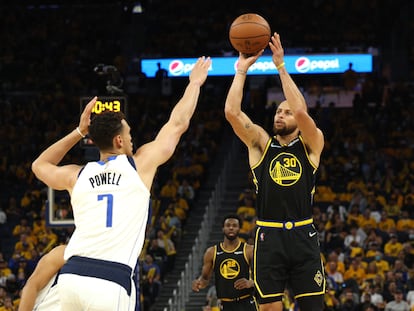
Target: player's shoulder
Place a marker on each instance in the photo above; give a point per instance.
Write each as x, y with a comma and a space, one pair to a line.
249, 247
211, 250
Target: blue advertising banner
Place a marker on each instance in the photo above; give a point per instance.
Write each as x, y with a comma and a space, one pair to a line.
295, 64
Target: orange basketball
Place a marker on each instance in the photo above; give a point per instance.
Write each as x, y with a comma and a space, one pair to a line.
249, 33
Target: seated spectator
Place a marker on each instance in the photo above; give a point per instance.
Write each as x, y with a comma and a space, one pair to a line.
334, 274
248, 224
372, 240
382, 265
404, 224
318, 216
24, 246
164, 241
159, 255
172, 221
354, 216
186, 191
331, 302
321, 235
392, 209
348, 300
335, 229
386, 223
355, 271
247, 207
393, 247
337, 207
353, 236
368, 222
390, 288
376, 296
398, 304
179, 207
8, 304
333, 256
365, 304
151, 281
247, 193
400, 268
168, 191
355, 250
371, 272
410, 299
5, 271
358, 199
22, 227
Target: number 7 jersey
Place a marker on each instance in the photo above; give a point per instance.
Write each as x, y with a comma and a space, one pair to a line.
110, 206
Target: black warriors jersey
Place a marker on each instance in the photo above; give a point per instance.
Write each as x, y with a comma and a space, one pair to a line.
228, 267
285, 182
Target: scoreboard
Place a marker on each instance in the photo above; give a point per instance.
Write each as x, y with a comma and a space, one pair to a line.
103, 104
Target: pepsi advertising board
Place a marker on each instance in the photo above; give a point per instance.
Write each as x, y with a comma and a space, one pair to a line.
295, 64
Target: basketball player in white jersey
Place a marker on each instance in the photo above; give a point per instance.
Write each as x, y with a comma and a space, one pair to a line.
40, 291
110, 200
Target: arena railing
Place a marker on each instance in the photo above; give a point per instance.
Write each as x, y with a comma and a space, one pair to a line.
181, 294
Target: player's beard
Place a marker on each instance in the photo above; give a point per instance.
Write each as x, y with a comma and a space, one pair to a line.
231, 237
284, 131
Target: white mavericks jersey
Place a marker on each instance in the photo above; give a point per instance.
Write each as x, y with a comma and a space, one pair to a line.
48, 298
110, 206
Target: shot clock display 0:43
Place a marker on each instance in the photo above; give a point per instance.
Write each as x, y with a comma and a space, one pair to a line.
104, 103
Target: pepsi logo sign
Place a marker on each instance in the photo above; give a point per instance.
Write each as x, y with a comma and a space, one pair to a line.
302, 64
176, 67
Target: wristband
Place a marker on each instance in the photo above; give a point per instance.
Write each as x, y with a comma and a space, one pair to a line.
241, 72
280, 65
80, 133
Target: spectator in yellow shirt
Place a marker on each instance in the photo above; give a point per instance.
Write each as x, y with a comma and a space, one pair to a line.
393, 247
169, 190
386, 223
355, 271
405, 223
340, 266
382, 265
354, 216
372, 237
392, 208
372, 271
367, 223
24, 244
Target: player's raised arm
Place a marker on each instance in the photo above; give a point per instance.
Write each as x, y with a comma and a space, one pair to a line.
46, 168
157, 152
312, 136
251, 134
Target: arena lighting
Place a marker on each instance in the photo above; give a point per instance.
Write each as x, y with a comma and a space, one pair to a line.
137, 8
295, 64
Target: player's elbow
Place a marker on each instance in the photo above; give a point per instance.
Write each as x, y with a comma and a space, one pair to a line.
181, 126
36, 167
301, 113
230, 113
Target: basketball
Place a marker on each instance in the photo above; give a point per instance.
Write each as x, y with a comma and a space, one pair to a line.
249, 33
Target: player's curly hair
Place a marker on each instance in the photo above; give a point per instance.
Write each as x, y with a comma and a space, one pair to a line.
232, 216
104, 127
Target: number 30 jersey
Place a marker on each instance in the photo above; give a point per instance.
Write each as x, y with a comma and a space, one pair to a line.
110, 206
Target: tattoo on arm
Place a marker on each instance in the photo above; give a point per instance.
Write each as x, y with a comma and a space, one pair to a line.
247, 125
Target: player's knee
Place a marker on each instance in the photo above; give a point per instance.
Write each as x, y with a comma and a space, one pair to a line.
311, 303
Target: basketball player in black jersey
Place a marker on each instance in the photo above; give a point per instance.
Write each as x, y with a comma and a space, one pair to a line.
287, 253
230, 260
